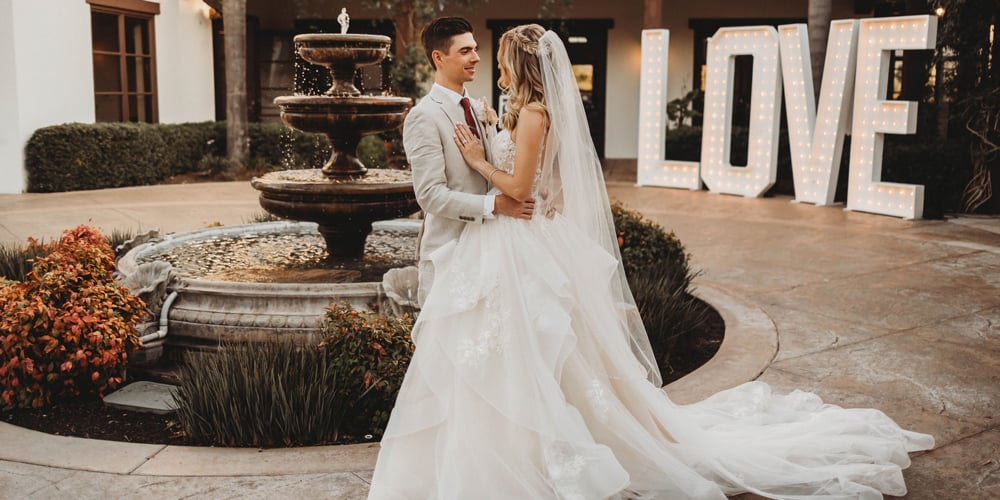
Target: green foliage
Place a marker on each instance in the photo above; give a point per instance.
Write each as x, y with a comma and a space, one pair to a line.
941, 166
669, 312
644, 243
268, 394
283, 393
68, 328
659, 274
79, 156
681, 111
189, 143
92, 156
216, 164
372, 152
15, 260
118, 237
684, 143
372, 352
410, 72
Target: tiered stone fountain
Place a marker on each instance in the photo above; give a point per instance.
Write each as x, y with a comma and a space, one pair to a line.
344, 197
341, 201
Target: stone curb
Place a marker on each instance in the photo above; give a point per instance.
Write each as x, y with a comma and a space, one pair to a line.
749, 346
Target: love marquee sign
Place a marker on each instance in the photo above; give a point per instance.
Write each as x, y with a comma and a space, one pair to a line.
857, 62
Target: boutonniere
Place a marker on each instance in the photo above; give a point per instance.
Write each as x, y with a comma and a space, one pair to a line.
486, 115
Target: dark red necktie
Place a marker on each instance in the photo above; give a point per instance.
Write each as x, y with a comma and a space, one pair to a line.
467, 106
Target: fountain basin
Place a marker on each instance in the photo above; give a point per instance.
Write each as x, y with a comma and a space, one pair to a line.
209, 310
363, 114
345, 120
343, 209
342, 54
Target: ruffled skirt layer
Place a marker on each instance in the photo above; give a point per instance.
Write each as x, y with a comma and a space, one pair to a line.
523, 386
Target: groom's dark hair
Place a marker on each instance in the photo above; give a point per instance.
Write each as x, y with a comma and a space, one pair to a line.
437, 35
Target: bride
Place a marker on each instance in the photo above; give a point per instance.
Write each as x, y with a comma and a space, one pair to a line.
533, 377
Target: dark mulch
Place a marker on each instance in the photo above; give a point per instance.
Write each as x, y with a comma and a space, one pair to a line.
90, 418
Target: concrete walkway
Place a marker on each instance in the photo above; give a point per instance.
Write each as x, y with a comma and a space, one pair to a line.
865, 310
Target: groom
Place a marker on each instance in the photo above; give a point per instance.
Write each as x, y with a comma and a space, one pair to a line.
450, 193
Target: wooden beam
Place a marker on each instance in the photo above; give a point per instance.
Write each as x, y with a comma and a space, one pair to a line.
140, 6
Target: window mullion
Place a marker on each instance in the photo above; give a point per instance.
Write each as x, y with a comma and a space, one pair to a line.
123, 68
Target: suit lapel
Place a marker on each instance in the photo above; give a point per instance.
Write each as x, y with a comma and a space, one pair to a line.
455, 115
477, 111
441, 99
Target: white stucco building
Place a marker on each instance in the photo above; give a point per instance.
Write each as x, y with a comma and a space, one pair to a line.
99, 60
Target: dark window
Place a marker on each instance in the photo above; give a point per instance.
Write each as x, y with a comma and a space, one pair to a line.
124, 60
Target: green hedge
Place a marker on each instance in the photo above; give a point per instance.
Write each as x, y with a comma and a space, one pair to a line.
659, 274
79, 156
941, 166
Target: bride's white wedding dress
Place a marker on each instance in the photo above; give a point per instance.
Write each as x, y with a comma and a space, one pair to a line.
523, 387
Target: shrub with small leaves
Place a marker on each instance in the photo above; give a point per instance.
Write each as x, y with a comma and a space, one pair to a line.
69, 327
659, 275
372, 352
643, 243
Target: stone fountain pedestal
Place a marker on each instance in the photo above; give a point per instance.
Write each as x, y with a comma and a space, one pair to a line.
344, 210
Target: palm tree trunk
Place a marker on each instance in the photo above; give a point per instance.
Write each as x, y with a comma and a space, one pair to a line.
235, 27
819, 33
652, 14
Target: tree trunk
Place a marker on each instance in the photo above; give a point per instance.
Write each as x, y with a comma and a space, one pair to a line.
819, 33
406, 35
652, 14
237, 138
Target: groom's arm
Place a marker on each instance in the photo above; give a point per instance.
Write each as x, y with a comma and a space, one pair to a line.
425, 152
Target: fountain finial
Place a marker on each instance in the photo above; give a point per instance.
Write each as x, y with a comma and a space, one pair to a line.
344, 20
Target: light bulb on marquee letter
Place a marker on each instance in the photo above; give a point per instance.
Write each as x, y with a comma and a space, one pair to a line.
875, 117
816, 138
653, 168
761, 171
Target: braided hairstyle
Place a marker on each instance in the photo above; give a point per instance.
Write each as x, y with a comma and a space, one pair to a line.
520, 71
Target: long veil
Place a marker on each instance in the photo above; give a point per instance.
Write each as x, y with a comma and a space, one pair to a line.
573, 183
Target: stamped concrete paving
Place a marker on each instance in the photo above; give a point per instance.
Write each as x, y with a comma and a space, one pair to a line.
868, 310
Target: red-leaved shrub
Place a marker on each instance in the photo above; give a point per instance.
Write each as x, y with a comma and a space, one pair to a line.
68, 328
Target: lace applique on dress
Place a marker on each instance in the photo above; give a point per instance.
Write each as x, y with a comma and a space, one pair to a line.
564, 467
503, 149
462, 288
598, 398
488, 341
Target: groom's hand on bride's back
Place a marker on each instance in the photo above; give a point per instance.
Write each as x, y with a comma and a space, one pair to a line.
505, 205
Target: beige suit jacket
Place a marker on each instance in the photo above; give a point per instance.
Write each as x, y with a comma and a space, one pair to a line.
450, 193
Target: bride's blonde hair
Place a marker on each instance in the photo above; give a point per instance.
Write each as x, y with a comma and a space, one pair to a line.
519, 59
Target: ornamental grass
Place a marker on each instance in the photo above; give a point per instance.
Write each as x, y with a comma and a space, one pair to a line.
287, 393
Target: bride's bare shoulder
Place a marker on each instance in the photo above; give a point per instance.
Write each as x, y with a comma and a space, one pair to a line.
535, 111
534, 106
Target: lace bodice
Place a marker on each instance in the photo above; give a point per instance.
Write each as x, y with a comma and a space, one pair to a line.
503, 149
